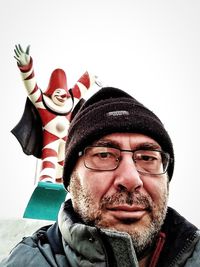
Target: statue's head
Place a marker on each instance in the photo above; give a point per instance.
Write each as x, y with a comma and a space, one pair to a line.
57, 89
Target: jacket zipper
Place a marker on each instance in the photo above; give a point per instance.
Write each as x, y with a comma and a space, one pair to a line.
183, 249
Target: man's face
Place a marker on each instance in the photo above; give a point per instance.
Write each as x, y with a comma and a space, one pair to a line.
122, 199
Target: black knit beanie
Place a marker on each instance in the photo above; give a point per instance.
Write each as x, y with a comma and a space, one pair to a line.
108, 111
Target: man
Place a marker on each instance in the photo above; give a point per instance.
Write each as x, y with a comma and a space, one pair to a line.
118, 165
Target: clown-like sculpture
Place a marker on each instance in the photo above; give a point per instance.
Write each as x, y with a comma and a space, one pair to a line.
54, 106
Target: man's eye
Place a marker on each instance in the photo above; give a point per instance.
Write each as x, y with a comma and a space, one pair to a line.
104, 155
146, 158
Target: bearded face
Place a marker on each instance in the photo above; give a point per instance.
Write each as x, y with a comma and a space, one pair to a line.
141, 231
121, 200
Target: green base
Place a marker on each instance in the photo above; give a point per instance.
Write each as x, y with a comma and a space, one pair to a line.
45, 201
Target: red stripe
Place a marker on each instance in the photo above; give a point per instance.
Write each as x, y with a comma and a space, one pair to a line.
85, 79
64, 138
30, 76
48, 152
76, 91
39, 99
46, 115
48, 164
61, 163
48, 138
159, 246
27, 67
34, 90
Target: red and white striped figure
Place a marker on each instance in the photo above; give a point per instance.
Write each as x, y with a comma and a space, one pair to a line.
55, 106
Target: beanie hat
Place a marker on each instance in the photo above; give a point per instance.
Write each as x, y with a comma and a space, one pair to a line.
112, 110
57, 80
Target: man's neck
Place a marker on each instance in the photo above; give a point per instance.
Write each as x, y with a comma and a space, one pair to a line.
145, 261
151, 258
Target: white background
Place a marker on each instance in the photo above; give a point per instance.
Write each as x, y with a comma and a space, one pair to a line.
151, 49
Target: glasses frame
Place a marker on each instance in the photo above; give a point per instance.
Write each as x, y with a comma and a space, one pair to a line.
167, 155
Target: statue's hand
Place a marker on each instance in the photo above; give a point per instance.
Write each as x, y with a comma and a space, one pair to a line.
22, 57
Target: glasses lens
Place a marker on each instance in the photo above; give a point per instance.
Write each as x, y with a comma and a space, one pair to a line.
151, 161
107, 158
101, 158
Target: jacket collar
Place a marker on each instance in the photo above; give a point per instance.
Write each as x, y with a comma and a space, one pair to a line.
181, 236
91, 243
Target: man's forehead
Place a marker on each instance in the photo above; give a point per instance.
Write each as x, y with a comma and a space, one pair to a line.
133, 139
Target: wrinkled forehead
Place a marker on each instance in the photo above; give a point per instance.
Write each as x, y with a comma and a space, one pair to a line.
127, 140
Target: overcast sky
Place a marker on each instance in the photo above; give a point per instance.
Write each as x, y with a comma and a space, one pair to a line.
151, 49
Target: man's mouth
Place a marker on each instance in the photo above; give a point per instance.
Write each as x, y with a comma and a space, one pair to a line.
126, 212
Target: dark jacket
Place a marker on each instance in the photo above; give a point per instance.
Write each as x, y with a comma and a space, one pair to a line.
72, 243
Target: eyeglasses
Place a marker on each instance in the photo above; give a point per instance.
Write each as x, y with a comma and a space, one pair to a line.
102, 158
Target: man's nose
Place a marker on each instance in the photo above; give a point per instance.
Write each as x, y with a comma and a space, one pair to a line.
127, 176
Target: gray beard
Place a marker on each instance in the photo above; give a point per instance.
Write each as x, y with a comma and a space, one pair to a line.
83, 204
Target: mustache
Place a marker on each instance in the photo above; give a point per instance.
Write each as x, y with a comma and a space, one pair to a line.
129, 198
